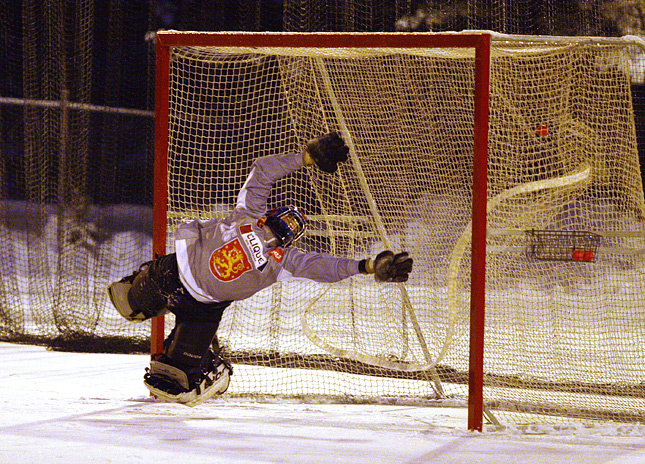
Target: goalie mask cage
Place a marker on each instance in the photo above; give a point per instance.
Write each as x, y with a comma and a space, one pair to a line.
461, 148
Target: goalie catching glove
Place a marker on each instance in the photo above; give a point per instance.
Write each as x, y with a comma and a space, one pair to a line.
326, 152
388, 267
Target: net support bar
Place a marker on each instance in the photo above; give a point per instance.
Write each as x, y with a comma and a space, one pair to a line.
478, 266
161, 182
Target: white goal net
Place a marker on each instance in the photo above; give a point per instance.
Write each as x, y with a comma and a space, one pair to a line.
565, 312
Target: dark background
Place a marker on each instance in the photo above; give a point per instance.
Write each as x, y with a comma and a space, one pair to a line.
102, 53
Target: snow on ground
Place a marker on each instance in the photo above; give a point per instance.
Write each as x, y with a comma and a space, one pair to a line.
92, 408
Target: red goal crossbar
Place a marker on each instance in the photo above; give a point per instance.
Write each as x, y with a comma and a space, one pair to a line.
481, 45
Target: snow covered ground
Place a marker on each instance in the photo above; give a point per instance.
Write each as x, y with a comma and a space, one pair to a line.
92, 408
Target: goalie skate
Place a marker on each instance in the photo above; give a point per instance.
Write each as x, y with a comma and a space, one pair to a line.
171, 384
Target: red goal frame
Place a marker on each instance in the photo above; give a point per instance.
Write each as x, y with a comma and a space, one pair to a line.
480, 42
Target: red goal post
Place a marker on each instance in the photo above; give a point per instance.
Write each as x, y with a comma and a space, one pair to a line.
478, 42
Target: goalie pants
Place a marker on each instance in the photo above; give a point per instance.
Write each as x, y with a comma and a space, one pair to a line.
157, 287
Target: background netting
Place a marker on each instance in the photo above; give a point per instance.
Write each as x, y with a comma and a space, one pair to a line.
77, 133
76, 169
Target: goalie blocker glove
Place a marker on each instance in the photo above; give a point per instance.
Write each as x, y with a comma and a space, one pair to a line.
326, 152
388, 267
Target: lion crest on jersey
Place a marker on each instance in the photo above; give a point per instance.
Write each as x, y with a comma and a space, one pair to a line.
229, 261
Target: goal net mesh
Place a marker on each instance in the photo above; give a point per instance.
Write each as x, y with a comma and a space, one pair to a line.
564, 337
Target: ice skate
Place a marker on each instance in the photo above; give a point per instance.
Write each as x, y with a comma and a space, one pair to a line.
189, 387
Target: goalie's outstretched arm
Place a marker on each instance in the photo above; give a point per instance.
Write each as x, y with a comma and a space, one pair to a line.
325, 152
322, 267
265, 171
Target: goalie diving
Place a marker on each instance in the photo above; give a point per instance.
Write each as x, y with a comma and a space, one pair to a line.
224, 260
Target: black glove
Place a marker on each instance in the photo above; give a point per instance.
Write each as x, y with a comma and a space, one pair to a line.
327, 151
390, 267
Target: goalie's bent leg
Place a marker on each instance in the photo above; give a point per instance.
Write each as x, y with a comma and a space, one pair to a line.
118, 294
143, 294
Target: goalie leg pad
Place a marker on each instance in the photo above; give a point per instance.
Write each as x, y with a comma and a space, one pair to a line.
118, 294
151, 288
121, 298
145, 293
189, 342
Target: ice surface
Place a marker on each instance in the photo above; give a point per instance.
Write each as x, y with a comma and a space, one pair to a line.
92, 408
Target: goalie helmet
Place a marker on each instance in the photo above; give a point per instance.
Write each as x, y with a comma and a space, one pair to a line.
287, 223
